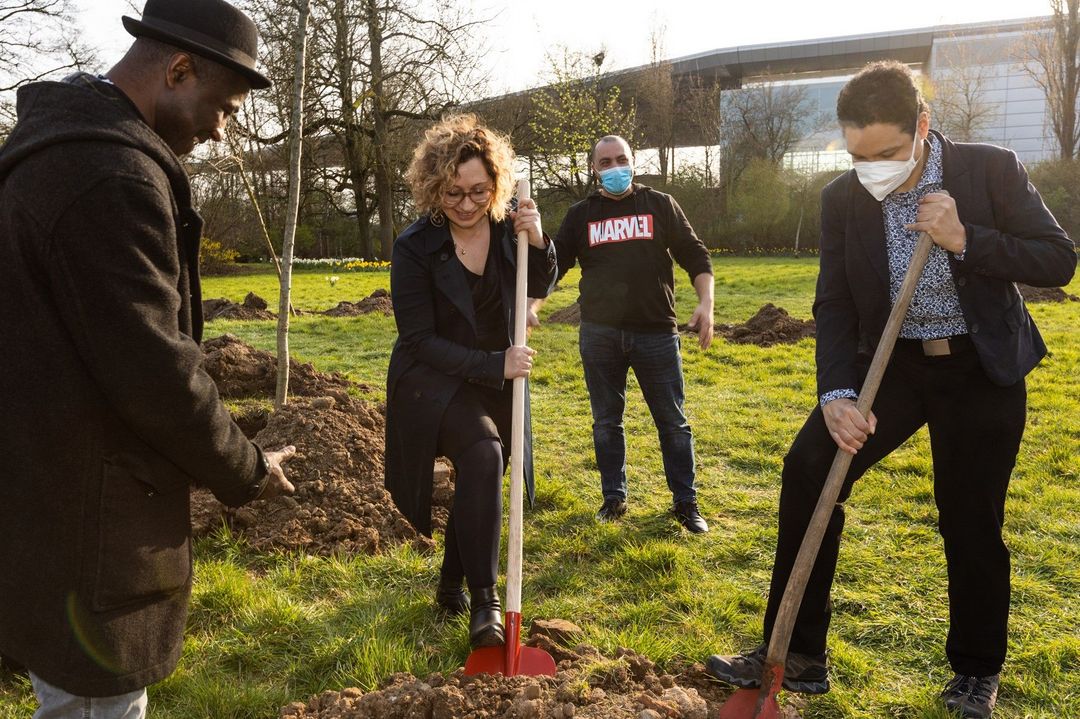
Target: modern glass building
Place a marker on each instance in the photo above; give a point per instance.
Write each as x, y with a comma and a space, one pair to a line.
975, 73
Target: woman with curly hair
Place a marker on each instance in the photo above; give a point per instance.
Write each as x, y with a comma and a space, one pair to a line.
449, 384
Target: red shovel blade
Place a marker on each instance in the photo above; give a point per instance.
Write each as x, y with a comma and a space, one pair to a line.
756, 703
512, 659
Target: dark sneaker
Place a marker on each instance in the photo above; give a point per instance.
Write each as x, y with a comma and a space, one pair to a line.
973, 697
688, 515
612, 509
803, 673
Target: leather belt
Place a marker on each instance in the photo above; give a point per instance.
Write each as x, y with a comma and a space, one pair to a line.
945, 346
936, 348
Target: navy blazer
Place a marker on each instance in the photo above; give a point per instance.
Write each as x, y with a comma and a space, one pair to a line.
435, 351
1011, 237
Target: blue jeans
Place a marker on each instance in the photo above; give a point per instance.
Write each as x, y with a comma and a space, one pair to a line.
59, 704
606, 354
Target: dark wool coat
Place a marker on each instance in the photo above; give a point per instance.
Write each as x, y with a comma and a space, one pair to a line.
107, 415
434, 352
1011, 237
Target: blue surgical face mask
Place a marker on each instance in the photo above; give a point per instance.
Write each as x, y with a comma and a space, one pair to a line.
616, 180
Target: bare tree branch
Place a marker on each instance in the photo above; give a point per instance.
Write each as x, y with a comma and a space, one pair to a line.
1051, 57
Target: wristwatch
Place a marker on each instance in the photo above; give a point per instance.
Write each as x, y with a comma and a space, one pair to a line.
255, 489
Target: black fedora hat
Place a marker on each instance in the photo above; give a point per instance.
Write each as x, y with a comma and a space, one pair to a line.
213, 29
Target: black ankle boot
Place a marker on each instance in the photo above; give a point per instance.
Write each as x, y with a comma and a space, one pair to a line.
450, 598
485, 621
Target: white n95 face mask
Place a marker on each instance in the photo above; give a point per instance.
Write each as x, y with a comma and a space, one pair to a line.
883, 176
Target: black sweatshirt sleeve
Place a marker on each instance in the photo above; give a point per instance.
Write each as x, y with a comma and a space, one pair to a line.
566, 241
687, 249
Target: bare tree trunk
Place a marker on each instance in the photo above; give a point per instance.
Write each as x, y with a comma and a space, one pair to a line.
367, 240
384, 184
296, 140
358, 180
356, 167
798, 230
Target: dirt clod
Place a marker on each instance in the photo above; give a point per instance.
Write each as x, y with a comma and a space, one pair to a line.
442, 493
559, 630
770, 325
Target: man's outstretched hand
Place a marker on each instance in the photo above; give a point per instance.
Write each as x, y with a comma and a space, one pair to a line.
277, 484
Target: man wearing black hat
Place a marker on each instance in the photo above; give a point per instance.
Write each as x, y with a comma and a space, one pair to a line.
108, 414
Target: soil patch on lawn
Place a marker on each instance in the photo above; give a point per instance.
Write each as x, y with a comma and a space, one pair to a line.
377, 301
769, 326
1045, 294
587, 685
252, 308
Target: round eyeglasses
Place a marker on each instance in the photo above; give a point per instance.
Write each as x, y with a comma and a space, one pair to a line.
454, 196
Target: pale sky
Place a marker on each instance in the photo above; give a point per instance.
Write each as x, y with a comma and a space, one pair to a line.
513, 44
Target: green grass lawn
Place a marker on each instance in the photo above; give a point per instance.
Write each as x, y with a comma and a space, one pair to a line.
266, 630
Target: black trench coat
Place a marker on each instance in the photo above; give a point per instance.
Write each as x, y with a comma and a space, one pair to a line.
434, 352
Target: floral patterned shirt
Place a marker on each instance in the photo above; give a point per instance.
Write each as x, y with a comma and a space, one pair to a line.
935, 307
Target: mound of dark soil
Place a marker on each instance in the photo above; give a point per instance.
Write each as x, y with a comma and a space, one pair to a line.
240, 370
377, 301
253, 308
586, 686
569, 315
1044, 294
771, 325
340, 504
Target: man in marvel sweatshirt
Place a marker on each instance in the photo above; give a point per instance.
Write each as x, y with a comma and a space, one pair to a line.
627, 237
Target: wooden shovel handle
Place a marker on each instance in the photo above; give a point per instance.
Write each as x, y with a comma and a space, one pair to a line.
808, 550
517, 438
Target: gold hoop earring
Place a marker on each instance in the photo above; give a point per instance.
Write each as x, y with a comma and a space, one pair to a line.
437, 218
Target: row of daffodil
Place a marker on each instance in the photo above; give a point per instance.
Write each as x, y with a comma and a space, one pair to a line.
354, 264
